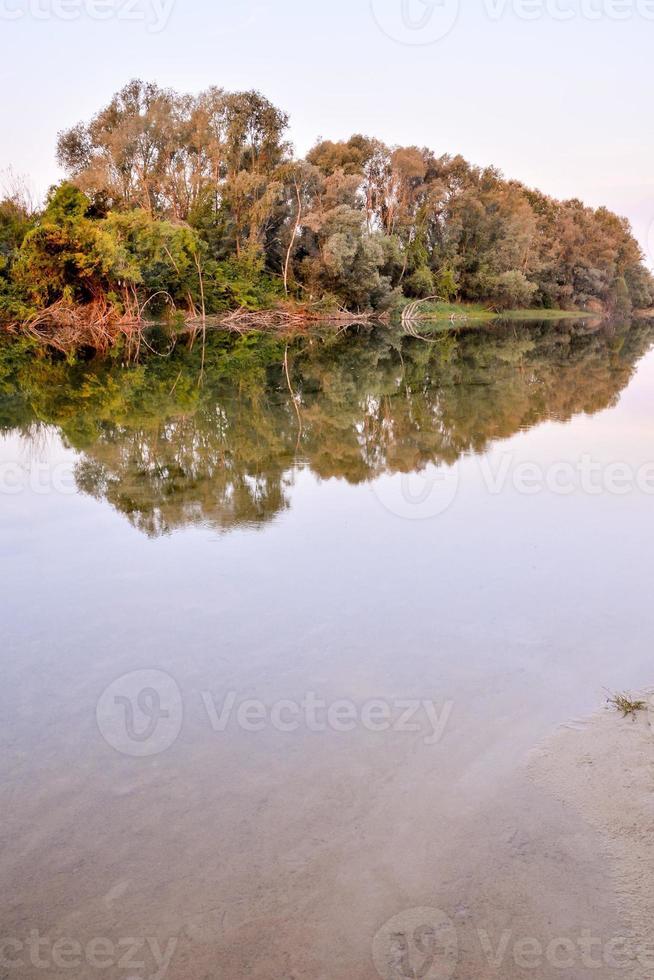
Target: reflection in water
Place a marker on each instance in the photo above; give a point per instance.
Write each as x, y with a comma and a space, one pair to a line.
167, 451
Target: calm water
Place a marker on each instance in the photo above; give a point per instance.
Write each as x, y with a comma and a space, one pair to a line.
413, 558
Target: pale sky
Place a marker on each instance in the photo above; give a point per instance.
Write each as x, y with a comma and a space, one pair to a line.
556, 93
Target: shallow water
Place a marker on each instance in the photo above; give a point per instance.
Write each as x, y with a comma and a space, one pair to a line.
413, 558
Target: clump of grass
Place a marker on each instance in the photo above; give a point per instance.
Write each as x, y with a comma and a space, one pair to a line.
626, 704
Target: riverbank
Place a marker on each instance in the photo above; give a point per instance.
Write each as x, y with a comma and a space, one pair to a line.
478, 311
410, 312
71, 329
601, 769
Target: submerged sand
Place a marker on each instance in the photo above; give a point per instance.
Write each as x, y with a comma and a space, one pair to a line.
540, 869
602, 770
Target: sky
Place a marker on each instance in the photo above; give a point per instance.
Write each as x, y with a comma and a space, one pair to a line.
556, 93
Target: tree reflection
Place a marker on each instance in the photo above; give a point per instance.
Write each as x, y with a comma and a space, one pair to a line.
168, 452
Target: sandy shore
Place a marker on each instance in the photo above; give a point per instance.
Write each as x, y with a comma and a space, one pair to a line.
602, 769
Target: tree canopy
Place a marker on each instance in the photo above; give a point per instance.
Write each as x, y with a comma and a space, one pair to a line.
181, 200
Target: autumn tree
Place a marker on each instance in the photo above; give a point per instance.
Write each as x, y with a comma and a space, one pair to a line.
168, 190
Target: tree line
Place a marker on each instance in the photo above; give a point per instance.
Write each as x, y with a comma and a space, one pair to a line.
197, 203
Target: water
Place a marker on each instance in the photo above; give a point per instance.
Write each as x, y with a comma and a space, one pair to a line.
450, 536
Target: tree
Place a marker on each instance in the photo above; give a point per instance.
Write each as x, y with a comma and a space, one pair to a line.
198, 199
512, 289
67, 255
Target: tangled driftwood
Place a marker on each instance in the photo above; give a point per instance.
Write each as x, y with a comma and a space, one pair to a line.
281, 317
66, 326
98, 325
